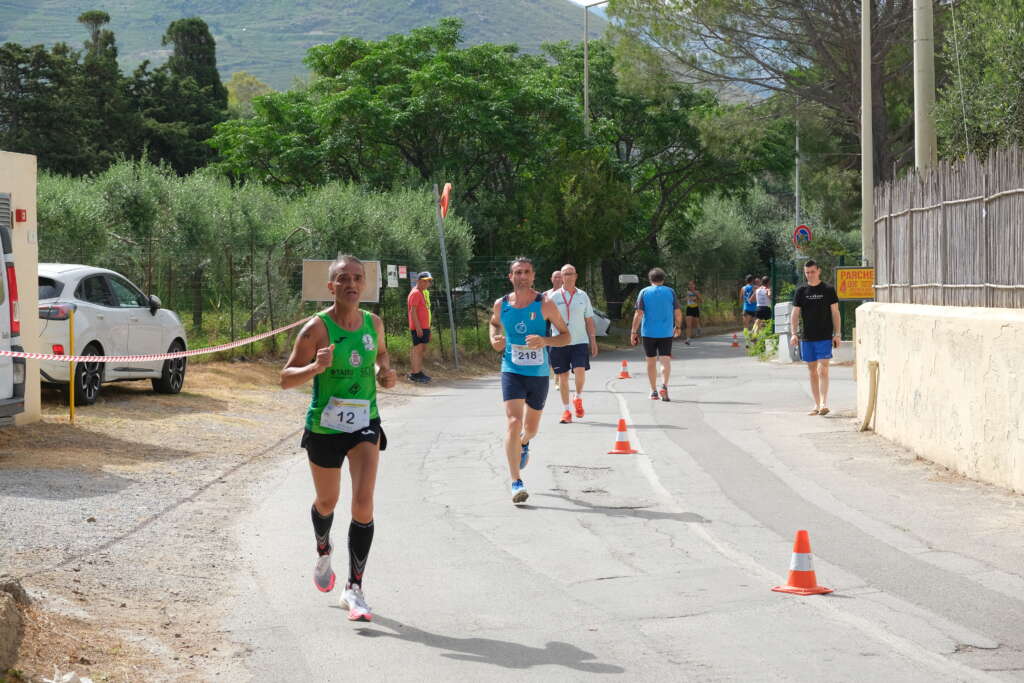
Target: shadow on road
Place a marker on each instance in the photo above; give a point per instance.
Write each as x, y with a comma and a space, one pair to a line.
501, 653
639, 511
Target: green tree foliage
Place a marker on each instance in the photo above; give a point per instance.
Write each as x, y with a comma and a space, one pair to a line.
243, 88
673, 145
507, 130
182, 100
415, 105
112, 127
205, 245
806, 49
982, 104
41, 100
77, 113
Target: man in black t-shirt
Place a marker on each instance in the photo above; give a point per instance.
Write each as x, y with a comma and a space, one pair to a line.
817, 305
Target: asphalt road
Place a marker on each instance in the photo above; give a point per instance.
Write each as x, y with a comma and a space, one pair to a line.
655, 566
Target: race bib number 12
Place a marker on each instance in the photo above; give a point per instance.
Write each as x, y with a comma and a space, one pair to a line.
347, 415
524, 355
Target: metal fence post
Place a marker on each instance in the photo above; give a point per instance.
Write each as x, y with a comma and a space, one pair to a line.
944, 241
985, 237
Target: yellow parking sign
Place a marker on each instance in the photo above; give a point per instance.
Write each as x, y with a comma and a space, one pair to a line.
855, 283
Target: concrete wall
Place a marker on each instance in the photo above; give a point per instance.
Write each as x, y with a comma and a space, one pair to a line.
951, 385
18, 177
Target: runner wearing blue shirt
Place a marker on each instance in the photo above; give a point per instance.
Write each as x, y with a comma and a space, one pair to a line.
747, 307
520, 326
657, 319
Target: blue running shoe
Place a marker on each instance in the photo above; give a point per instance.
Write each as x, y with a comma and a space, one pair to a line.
524, 456
519, 494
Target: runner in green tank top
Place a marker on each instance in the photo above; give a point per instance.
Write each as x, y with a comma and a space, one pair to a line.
343, 351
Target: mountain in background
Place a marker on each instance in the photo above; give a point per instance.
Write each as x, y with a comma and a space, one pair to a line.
269, 38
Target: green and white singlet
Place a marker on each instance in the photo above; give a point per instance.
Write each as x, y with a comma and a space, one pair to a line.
352, 377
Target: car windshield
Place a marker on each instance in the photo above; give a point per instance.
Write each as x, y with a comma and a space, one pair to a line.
49, 288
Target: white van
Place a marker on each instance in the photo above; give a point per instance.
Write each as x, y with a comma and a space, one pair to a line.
12, 370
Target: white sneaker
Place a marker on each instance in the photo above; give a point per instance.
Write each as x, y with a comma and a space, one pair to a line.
323, 575
352, 600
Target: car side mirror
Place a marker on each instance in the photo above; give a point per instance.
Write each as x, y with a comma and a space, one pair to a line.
154, 304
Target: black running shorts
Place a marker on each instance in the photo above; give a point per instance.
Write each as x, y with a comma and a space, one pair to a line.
658, 346
329, 450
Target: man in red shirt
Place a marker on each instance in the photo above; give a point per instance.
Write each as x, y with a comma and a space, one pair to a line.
419, 325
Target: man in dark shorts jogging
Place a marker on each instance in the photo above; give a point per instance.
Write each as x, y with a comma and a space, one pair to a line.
519, 327
339, 350
817, 305
657, 319
418, 303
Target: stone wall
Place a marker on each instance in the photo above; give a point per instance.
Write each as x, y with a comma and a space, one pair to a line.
951, 385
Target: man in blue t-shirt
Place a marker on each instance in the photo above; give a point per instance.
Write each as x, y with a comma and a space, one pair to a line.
657, 319
748, 307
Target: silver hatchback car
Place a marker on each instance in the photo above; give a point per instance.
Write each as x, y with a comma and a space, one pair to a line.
112, 318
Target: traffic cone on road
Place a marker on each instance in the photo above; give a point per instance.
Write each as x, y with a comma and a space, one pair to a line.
735, 341
625, 371
802, 580
622, 446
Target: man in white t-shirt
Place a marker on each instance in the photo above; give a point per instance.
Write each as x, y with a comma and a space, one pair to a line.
578, 313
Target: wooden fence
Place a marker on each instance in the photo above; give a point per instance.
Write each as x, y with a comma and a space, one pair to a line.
953, 236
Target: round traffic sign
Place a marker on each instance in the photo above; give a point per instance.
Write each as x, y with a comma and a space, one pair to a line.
802, 236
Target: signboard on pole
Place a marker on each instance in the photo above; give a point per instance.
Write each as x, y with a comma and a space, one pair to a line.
403, 272
802, 236
855, 284
392, 276
315, 277
413, 277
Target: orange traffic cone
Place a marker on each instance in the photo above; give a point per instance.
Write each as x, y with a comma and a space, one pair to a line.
735, 343
625, 371
622, 446
802, 580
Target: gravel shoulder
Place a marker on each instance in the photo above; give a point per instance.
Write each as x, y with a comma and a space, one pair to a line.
120, 526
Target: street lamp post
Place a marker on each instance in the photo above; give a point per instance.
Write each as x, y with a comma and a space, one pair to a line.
867, 145
586, 64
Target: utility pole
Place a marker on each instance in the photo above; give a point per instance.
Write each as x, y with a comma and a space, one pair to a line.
925, 154
586, 65
867, 141
797, 179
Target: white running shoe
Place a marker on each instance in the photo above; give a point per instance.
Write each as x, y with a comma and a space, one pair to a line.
323, 575
352, 600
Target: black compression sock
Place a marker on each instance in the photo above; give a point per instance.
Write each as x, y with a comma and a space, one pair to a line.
360, 536
322, 530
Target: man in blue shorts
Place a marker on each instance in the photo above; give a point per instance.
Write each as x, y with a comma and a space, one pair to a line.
817, 305
657, 319
578, 313
519, 327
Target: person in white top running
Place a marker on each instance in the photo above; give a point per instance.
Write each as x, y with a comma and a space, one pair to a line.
578, 313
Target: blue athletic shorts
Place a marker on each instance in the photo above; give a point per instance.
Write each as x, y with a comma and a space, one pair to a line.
533, 389
566, 358
812, 351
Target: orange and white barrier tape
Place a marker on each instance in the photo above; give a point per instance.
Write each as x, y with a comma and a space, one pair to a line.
150, 357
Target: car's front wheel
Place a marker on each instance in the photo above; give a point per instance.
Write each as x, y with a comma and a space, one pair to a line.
172, 378
88, 378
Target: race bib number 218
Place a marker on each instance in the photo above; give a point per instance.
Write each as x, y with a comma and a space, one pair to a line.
524, 355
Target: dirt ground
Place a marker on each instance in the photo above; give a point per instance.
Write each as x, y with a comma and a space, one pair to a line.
118, 525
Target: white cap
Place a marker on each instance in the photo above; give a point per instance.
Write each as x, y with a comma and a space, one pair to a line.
425, 275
